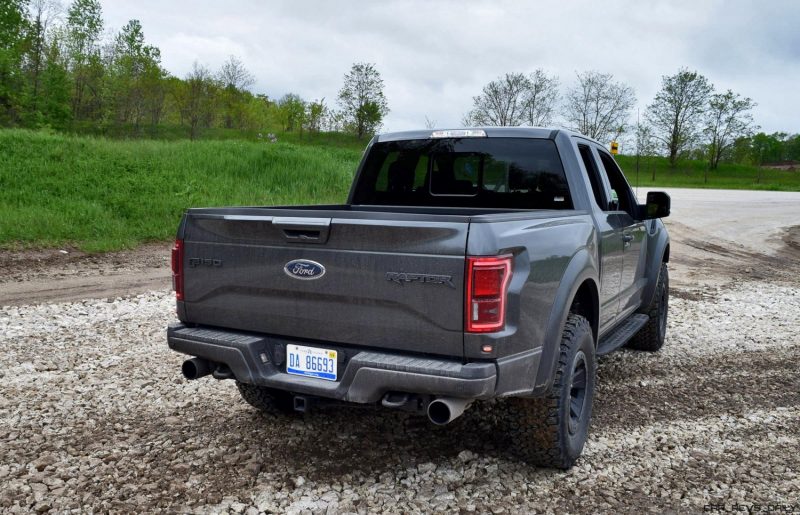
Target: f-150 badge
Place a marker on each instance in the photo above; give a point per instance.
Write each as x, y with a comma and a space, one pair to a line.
403, 277
304, 269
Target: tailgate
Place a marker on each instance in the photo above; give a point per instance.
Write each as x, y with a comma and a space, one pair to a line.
387, 283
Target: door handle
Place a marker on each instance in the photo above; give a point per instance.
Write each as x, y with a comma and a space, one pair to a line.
303, 230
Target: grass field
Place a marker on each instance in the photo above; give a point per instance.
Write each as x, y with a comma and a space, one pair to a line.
691, 174
103, 194
100, 194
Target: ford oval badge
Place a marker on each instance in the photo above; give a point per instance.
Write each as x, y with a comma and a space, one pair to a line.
304, 269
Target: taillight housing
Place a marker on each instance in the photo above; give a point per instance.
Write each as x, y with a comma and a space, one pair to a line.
177, 269
487, 293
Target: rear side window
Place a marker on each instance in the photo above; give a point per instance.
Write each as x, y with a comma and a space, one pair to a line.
513, 173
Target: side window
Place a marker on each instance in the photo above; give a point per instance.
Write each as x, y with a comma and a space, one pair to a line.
619, 186
594, 176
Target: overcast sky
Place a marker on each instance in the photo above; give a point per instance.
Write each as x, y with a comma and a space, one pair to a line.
434, 56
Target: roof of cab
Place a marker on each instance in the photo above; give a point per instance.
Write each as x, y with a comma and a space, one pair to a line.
491, 132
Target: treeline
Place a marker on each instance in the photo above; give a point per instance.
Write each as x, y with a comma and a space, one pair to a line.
58, 70
687, 118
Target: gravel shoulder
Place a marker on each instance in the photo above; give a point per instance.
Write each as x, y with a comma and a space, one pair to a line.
95, 415
61, 275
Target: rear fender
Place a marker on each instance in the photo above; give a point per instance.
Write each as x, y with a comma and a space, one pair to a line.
582, 266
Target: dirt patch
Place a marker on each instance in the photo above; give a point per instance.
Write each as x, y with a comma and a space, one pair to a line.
694, 295
704, 264
791, 238
60, 275
39, 264
661, 390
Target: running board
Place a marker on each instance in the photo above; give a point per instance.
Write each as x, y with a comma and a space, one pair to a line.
621, 334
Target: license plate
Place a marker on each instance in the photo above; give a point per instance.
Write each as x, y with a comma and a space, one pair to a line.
311, 362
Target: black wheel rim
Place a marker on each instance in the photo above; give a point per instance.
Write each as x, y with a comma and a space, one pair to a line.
577, 393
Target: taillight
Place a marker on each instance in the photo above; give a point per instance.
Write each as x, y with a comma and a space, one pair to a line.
177, 269
487, 288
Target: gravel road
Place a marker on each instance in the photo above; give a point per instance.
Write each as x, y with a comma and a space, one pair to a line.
95, 416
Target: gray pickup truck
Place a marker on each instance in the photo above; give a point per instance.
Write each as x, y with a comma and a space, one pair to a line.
466, 265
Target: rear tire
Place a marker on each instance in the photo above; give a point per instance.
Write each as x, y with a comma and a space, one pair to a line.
651, 337
552, 430
268, 400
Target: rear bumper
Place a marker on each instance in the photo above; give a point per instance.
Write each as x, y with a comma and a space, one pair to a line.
364, 375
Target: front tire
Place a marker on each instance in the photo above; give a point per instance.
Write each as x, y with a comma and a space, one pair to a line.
552, 430
651, 337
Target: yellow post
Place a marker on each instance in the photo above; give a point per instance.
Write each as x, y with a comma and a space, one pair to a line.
614, 147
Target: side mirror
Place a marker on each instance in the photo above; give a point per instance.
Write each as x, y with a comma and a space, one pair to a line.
657, 206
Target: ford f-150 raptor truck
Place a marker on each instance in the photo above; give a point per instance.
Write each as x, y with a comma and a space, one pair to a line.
466, 265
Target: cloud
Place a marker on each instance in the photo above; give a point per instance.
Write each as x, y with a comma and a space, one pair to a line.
434, 56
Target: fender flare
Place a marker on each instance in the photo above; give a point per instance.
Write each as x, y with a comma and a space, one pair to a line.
582, 267
658, 253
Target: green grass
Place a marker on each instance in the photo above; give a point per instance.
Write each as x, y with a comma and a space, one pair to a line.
691, 174
101, 194
169, 132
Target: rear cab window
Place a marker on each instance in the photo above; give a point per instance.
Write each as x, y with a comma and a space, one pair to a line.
508, 173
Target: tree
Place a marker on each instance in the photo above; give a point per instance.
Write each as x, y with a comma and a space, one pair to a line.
136, 87
84, 27
646, 146
12, 22
502, 102
56, 87
335, 121
727, 119
195, 98
316, 112
42, 14
540, 99
13, 27
293, 111
792, 148
362, 100
234, 79
599, 107
370, 116
677, 111
767, 148
515, 99
234, 75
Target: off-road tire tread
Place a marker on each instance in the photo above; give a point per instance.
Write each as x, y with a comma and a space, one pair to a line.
540, 441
